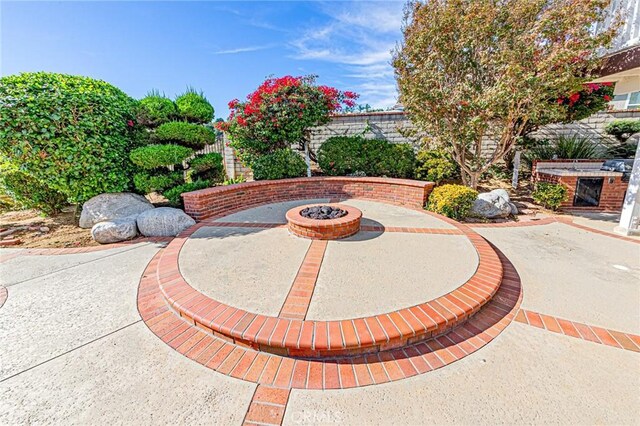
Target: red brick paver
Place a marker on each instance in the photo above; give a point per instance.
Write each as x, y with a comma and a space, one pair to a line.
592, 333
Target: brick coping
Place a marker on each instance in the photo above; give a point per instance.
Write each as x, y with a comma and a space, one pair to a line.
313, 339
276, 371
327, 229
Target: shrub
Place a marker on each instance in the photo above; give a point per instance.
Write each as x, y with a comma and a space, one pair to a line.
208, 166
71, 133
454, 201
284, 163
435, 165
154, 156
173, 194
343, 155
187, 134
156, 109
549, 195
194, 107
30, 193
233, 181
623, 129
146, 183
564, 147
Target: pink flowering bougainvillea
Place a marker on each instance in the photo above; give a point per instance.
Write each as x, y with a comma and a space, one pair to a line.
280, 113
592, 98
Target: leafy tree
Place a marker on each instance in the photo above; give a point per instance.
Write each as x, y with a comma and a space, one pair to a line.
470, 70
280, 113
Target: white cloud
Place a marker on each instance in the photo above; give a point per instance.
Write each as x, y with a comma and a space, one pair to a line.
243, 49
359, 37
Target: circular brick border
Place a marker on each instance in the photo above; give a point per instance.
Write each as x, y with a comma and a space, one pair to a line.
328, 229
4, 294
318, 339
267, 369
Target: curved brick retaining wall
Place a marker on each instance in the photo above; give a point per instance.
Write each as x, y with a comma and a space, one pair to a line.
223, 200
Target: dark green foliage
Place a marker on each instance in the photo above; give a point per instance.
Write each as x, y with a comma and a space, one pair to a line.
280, 164
71, 133
156, 109
565, 147
146, 183
194, 107
30, 193
154, 156
454, 201
208, 166
343, 155
435, 165
623, 129
187, 134
173, 194
549, 195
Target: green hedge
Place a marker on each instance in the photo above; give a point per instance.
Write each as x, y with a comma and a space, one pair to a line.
280, 164
435, 165
173, 194
454, 201
549, 195
154, 156
156, 109
187, 134
30, 193
70, 133
147, 183
194, 107
343, 155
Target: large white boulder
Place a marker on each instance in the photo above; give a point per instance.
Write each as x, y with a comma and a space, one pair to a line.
109, 206
163, 222
116, 230
491, 205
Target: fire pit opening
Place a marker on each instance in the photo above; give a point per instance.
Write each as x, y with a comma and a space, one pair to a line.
322, 212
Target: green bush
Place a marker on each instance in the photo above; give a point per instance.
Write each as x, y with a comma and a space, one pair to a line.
454, 201
154, 156
623, 129
146, 183
156, 109
549, 195
194, 107
435, 165
71, 133
564, 147
280, 164
208, 166
235, 180
30, 193
173, 194
187, 134
343, 155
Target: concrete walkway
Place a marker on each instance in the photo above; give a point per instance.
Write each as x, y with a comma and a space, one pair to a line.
74, 350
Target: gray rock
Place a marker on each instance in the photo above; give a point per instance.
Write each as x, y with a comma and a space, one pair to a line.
163, 222
113, 231
501, 193
490, 206
111, 206
514, 209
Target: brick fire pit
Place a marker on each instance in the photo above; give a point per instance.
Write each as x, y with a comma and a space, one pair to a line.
324, 229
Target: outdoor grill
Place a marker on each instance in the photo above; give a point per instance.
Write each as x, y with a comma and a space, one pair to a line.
619, 165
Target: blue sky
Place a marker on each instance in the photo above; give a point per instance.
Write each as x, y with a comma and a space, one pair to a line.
223, 48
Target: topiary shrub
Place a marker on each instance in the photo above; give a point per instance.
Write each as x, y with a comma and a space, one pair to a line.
549, 195
70, 133
156, 109
280, 164
147, 183
187, 134
173, 194
454, 201
194, 107
208, 166
435, 165
30, 193
344, 155
154, 156
623, 129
